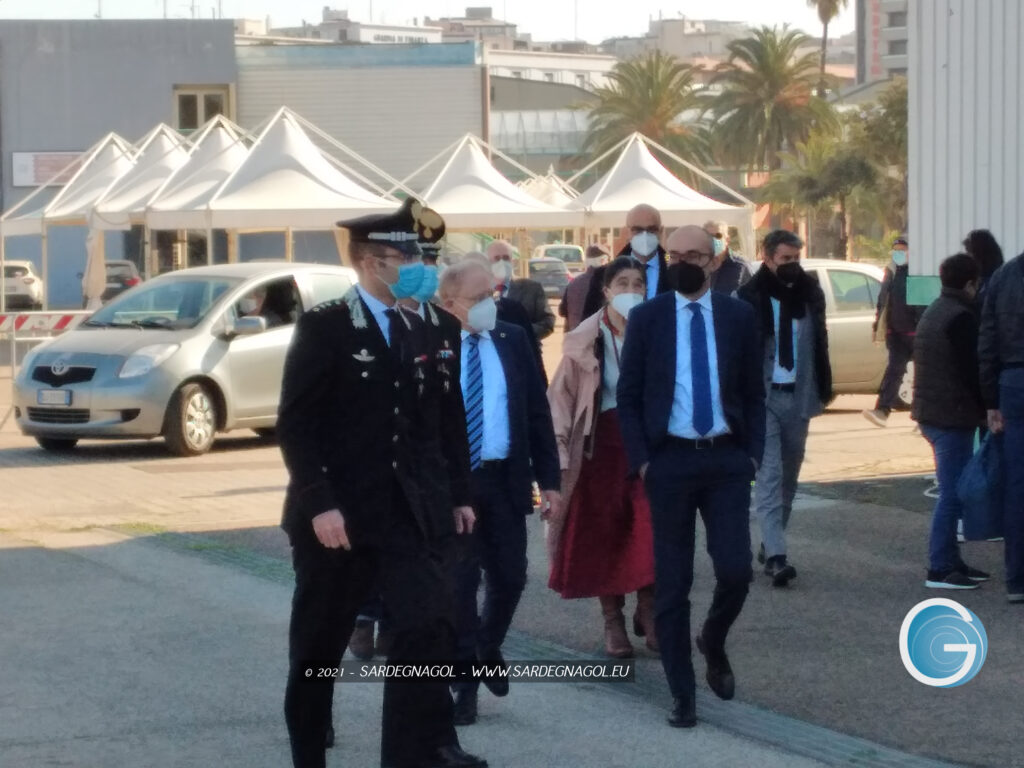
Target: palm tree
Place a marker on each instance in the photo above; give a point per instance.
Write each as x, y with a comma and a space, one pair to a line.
652, 94
766, 99
827, 10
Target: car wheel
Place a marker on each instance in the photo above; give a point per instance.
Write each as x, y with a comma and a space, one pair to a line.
57, 444
906, 392
191, 421
266, 433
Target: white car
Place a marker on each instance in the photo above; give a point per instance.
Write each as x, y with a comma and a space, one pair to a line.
23, 288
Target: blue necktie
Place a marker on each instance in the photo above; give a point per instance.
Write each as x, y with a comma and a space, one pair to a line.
474, 400
701, 370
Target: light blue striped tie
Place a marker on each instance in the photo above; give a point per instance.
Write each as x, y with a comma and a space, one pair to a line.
474, 399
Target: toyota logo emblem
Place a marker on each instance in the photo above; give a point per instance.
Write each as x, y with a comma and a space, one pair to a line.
59, 367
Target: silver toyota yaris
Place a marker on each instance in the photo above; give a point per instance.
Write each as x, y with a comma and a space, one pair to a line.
183, 356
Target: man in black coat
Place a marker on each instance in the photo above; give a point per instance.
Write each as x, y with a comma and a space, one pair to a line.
526, 292
357, 415
645, 231
511, 444
789, 307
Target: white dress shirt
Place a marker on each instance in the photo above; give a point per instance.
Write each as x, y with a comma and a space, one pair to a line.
680, 423
496, 437
780, 375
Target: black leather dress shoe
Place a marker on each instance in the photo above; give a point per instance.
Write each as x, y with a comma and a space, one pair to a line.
684, 713
451, 756
329, 738
464, 709
492, 656
720, 677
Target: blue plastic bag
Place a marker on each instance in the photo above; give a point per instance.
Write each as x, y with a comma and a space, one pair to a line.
981, 492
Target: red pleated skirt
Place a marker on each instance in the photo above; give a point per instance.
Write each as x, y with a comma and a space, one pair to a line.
606, 546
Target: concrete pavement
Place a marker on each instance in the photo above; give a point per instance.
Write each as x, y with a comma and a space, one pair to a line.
120, 652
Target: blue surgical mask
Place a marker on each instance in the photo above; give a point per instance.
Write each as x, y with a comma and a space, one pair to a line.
428, 287
410, 277
643, 244
899, 258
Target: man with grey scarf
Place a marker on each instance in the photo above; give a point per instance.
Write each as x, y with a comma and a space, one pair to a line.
790, 306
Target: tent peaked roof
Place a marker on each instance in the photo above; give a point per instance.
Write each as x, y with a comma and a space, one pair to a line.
638, 177
181, 201
470, 193
549, 188
287, 181
162, 152
103, 164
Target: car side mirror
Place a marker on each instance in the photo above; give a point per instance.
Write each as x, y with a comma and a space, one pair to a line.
247, 326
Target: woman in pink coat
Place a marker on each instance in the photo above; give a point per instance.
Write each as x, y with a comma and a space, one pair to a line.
602, 547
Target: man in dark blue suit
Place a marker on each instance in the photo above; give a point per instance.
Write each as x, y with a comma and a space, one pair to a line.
511, 444
691, 408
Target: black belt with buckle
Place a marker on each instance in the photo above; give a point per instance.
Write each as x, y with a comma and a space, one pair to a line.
703, 443
784, 387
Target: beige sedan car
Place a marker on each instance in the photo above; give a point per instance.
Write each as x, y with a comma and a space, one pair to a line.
851, 295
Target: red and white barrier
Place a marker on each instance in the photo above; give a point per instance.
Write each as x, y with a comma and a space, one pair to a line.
40, 322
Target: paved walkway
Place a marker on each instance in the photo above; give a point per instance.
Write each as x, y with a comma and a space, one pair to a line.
120, 652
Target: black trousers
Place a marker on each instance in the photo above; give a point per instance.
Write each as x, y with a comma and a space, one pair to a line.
680, 482
496, 549
901, 352
330, 586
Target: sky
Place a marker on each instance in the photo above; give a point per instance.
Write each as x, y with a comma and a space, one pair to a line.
544, 19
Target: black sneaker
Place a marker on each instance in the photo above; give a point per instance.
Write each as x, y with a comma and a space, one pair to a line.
779, 570
973, 573
949, 580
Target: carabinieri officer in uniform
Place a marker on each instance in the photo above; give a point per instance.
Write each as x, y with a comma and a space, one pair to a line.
358, 511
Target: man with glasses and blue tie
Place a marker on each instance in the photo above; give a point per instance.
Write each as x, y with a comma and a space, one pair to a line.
691, 408
511, 444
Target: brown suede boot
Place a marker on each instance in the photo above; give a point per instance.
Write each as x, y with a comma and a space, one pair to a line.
616, 641
644, 617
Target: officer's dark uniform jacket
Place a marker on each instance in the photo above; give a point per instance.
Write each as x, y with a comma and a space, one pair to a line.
351, 426
445, 460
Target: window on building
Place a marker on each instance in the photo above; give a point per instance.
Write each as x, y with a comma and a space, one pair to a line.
898, 19
897, 47
549, 77
581, 81
899, 72
517, 74
194, 106
343, 35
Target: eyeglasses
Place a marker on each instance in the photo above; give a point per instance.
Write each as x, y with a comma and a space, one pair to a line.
700, 258
653, 229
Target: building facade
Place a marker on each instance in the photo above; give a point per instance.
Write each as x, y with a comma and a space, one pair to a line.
882, 39
336, 27
64, 85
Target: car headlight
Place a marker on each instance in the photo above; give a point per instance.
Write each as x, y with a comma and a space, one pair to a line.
146, 359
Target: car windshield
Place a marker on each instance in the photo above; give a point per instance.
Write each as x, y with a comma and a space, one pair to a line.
572, 255
548, 268
119, 270
176, 303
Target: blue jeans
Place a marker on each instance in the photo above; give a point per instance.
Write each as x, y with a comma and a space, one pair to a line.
1011, 404
953, 448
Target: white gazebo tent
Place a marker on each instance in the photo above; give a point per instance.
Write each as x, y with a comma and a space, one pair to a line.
287, 182
471, 194
638, 177
180, 201
160, 153
102, 166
